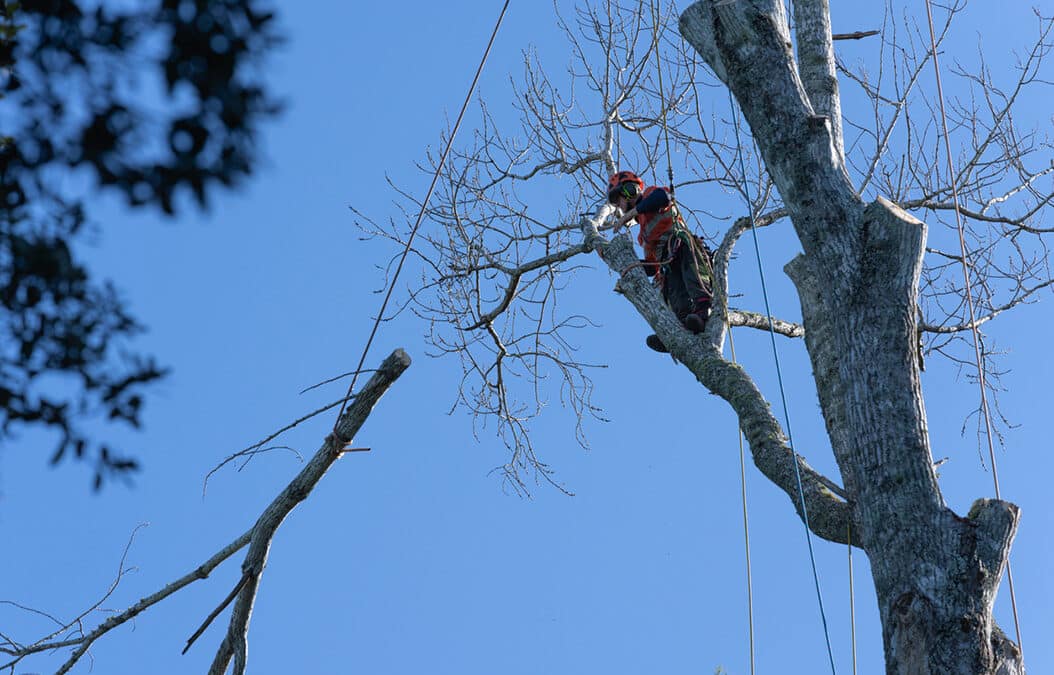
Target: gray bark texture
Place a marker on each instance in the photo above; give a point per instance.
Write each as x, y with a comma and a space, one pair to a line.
936, 573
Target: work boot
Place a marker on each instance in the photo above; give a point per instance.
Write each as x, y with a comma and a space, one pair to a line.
695, 320
695, 323
655, 343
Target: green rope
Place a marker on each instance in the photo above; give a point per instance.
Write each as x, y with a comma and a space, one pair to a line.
746, 526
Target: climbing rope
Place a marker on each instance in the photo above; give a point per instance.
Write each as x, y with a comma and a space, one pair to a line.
421, 214
981, 382
742, 457
665, 126
662, 96
779, 378
746, 526
852, 595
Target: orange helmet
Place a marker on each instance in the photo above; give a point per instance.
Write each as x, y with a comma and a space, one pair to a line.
624, 184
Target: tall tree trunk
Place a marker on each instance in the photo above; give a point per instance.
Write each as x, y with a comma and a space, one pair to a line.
936, 574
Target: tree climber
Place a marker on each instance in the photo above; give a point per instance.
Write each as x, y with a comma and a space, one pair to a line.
675, 257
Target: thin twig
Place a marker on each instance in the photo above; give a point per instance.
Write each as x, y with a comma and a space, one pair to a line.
255, 446
334, 379
216, 612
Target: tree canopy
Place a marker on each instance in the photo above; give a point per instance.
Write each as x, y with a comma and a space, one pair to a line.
160, 104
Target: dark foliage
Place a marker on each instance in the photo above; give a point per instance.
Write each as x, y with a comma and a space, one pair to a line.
152, 103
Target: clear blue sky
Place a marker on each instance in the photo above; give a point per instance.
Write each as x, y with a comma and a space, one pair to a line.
410, 558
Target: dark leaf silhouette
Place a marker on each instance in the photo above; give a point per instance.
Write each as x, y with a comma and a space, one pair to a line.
69, 77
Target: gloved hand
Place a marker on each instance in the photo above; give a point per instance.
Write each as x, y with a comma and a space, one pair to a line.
626, 217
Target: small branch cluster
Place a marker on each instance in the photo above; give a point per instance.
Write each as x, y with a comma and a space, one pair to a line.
503, 245
1003, 175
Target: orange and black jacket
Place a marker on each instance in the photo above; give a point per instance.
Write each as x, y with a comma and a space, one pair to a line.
656, 216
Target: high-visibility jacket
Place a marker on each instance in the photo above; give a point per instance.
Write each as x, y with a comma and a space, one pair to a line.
655, 224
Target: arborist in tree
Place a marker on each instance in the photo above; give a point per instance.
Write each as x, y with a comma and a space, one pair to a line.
677, 259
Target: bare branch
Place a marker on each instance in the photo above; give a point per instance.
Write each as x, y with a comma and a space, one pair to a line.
216, 612
855, 36
258, 446
761, 322
235, 643
828, 514
335, 378
336, 444
84, 642
959, 328
497, 258
1019, 222
514, 281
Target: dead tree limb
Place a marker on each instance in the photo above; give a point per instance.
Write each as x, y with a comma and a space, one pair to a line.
258, 538
858, 35
84, 642
235, 643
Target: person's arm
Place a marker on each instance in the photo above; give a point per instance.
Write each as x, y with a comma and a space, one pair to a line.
658, 200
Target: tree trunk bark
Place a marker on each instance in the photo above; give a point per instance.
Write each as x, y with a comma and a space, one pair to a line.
936, 573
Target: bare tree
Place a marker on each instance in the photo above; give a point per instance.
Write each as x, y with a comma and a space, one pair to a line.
876, 295
879, 288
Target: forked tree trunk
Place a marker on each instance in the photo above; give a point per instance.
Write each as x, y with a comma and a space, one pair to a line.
936, 574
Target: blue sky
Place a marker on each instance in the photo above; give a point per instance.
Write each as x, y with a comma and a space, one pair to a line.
412, 558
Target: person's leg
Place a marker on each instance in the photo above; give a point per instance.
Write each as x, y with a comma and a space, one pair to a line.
674, 292
693, 270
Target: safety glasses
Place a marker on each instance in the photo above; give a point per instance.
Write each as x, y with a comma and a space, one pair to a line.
627, 190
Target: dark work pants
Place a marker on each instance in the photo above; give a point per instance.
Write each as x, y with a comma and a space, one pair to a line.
686, 276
